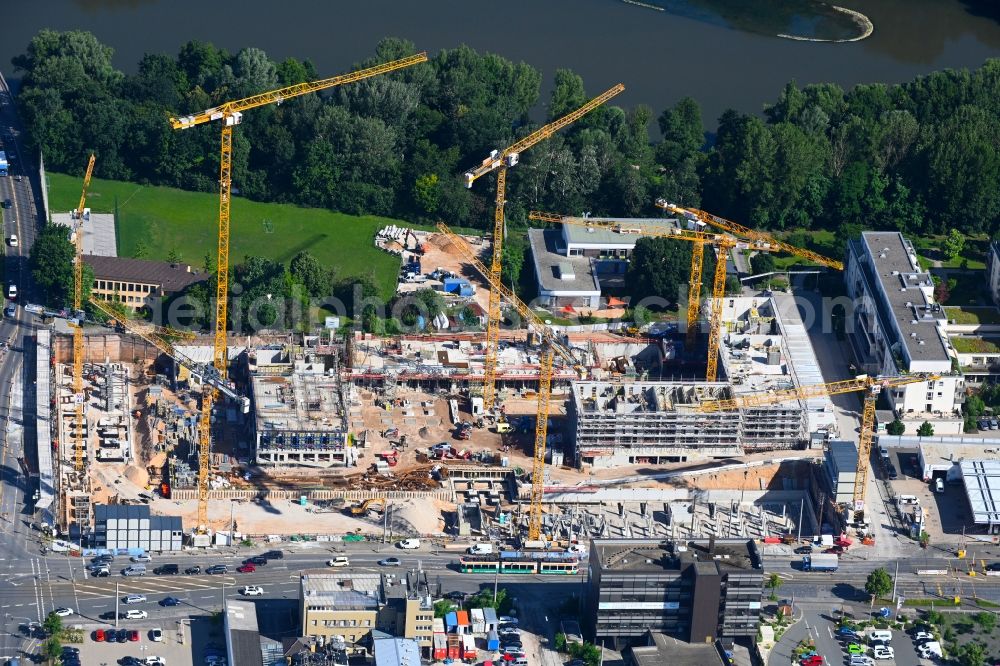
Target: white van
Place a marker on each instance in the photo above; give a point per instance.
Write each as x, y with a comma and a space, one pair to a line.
908, 499
939, 485
881, 635
481, 549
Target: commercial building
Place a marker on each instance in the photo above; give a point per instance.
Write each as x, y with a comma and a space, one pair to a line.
139, 283
896, 327
340, 607
300, 415
695, 591
840, 462
981, 479
131, 527
244, 643
397, 652
573, 262
658, 650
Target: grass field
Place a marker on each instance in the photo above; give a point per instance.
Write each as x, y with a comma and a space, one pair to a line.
166, 219
973, 315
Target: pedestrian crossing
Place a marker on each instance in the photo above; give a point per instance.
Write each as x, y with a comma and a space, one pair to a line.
102, 588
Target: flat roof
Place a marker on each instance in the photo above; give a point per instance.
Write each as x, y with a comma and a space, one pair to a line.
99, 236
901, 279
669, 650
244, 635
342, 591
43, 423
308, 400
655, 556
397, 652
982, 488
575, 234
170, 277
545, 254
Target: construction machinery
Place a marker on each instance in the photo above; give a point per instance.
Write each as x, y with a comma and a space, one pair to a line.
722, 242
500, 161
79, 399
230, 114
872, 386
373, 504
541, 435
758, 239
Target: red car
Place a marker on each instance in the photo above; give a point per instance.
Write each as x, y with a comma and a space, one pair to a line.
133, 635
99, 636
247, 568
814, 660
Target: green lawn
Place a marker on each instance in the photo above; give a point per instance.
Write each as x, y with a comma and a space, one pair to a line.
167, 219
973, 256
819, 240
975, 345
973, 315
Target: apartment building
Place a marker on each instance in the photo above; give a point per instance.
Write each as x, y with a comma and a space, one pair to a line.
138, 283
695, 591
897, 328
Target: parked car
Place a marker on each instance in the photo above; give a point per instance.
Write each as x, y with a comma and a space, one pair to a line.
134, 599
409, 544
814, 660
133, 635
156, 635
104, 559
861, 660
156, 661
12, 240
507, 619
98, 635
803, 550
847, 632
389, 562
854, 648
883, 652
923, 636
252, 591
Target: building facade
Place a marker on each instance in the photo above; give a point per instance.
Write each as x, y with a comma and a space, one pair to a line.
897, 328
696, 591
840, 462
618, 423
131, 527
139, 283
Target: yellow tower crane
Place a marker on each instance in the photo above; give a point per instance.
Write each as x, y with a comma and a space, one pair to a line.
231, 114
699, 239
79, 424
872, 386
551, 346
500, 161
758, 239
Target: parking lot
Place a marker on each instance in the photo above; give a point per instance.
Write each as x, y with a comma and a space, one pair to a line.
822, 624
184, 643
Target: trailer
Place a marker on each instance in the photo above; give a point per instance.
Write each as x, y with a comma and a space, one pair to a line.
821, 562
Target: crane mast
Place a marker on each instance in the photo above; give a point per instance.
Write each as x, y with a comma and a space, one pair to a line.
231, 114
79, 423
500, 161
872, 387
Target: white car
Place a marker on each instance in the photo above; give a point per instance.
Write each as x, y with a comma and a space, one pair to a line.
409, 544
12, 291
63, 611
883, 652
339, 561
136, 614
156, 661
134, 599
12, 240
922, 636
252, 591
576, 548
145, 557
156, 635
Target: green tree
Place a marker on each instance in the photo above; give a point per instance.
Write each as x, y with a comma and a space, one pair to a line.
925, 430
878, 584
659, 267
427, 193
311, 274
567, 94
954, 244
987, 621
443, 607
430, 299
973, 409
774, 583
484, 599
972, 653
683, 132
895, 428
51, 263
762, 262
53, 649
53, 624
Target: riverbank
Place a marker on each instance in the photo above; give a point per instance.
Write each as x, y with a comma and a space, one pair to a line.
862, 21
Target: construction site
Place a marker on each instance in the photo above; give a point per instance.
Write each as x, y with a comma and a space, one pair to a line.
534, 431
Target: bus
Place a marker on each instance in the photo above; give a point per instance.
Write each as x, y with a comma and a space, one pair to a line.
522, 562
3, 163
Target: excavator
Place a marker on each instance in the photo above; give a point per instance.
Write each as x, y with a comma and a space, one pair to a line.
376, 504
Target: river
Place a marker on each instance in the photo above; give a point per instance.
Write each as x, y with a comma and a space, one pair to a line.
662, 51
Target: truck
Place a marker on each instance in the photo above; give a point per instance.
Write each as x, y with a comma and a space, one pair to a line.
820, 562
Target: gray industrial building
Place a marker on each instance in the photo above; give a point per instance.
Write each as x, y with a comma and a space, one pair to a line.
841, 465
696, 591
619, 423
131, 527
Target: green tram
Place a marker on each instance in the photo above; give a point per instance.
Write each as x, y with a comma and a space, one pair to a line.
522, 562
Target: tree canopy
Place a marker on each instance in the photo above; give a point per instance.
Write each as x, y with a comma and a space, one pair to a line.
920, 156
